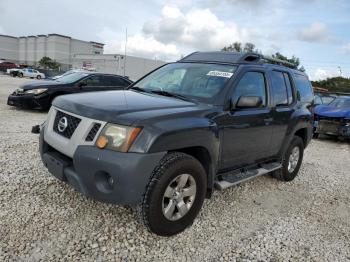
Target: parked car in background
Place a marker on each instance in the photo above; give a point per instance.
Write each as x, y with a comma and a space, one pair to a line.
323, 99
7, 65
31, 73
333, 119
40, 94
211, 120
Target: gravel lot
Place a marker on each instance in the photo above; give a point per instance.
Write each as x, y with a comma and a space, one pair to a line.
44, 219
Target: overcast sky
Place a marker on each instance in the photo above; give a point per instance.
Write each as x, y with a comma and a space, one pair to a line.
317, 31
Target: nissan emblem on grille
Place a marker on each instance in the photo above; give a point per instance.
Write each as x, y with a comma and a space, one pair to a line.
62, 124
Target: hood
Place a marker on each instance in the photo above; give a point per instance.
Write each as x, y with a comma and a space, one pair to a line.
124, 106
41, 84
330, 111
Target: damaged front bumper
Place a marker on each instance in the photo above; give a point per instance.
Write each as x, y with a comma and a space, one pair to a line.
336, 127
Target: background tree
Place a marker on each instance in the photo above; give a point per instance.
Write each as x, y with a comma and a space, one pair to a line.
250, 47
239, 47
48, 63
334, 84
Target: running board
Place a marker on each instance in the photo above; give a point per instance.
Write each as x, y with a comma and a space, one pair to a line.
232, 179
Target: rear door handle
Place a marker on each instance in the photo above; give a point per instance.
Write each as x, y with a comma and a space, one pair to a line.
268, 120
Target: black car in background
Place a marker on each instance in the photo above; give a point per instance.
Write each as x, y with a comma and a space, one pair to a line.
40, 94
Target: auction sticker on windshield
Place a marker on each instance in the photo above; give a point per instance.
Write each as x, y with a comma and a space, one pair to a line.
220, 74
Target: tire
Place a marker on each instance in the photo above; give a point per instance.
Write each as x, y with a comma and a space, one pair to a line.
38, 77
20, 75
289, 172
172, 169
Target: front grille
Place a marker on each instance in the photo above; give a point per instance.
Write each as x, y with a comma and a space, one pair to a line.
93, 131
72, 124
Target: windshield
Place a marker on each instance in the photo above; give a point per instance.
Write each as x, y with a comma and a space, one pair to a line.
71, 78
192, 80
327, 99
341, 102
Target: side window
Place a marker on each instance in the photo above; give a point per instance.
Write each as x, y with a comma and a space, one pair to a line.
304, 87
289, 88
279, 88
117, 81
93, 81
251, 84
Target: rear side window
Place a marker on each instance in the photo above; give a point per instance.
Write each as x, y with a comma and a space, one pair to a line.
251, 84
304, 88
289, 88
281, 88
117, 81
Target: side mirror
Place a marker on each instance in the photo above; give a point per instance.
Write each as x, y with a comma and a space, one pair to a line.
249, 102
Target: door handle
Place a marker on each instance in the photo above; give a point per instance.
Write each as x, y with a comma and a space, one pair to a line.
268, 120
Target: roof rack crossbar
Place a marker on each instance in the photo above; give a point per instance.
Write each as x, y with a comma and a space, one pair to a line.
273, 60
236, 57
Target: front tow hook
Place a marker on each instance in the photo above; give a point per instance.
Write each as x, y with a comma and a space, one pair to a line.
36, 129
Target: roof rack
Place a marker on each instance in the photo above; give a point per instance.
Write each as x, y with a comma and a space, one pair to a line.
235, 57
272, 60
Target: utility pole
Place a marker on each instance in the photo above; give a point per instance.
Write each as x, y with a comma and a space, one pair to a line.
340, 72
126, 40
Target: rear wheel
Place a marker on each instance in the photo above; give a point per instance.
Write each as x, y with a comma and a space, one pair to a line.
291, 161
20, 75
174, 195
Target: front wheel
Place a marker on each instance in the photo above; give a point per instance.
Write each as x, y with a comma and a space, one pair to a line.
174, 195
291, 161
20, 75
38, 77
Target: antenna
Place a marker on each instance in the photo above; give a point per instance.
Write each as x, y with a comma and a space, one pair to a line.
126, 40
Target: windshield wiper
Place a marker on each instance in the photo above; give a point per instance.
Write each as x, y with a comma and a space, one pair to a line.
136, 88
169, 94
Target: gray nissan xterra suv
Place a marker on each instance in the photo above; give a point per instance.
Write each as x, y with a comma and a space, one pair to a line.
210, 120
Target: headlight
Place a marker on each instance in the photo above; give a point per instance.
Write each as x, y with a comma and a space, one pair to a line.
36, 91
117, 137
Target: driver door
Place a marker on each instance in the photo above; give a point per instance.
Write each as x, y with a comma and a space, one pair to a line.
247, 132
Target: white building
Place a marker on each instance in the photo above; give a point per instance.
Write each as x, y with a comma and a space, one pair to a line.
135, 67
72, 53
30, 49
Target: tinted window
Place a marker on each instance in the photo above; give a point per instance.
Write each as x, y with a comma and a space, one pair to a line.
289, 88
93, 81
251, 84
304, 87
117, 81
279, 88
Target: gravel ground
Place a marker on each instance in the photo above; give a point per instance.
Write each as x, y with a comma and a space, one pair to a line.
266, 220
